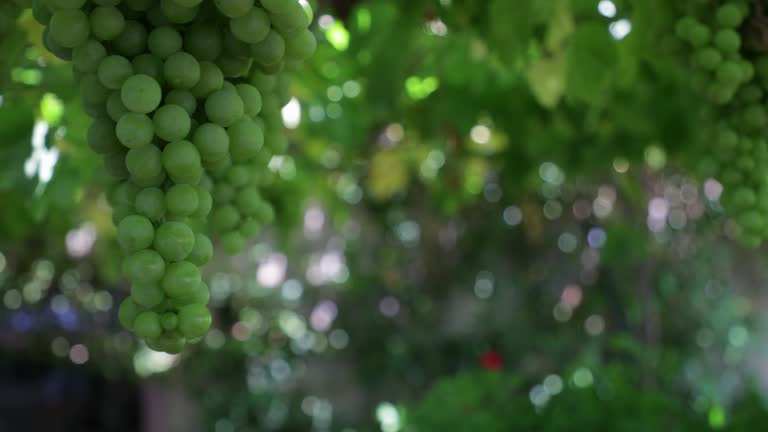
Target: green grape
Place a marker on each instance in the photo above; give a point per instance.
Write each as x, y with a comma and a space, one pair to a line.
302, 44
156, 181
199, 295
124, 193
135, 233
107, 22
266, 82
253, 27
248, 200
141, 94
176, 13
150, 202
755, 117
86, 57
180, 279
135, 130
139, 5
729, 15
164, 41
144, 163
182, 162
225, 218
205, 203
181, 200
270, 50
69, 28
239, 175
250, 228
147, 325
93, 93
204, 42
132, 41
251, 98
747, 71
728, 41
174, 240
182, 98
172, 123
742, 198
278, 6
224, 107
181, 70
234, 67
234, 8
156, 16
245, 139
114, 164
147, 295
171, 342
169, 321
700, 36
149, 65
219, 167
750, 93
233, 47
113, 71
233, 242
202, 252
211, 80
729, 73
223, 193
211, 141
54, 47
194, 320
101, 137
128, 312
265, 212
115, 108
119, 213
273, 69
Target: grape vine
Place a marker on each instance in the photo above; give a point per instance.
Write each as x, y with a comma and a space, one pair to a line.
185, 97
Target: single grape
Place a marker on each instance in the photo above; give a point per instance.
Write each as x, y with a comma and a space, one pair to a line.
250, 228
149, 65
253, 27
113, 71
709, 58
270, 50
204, 41
147, 295
164, 41
102, 138
172, 123
69, 28
145, 164
729, 73
234, 8
212, 141
128, 312
251, 98
171, 342
150, 202
135, 233
245, 139
115, 107
169, 320
181, 200
223, 193
114, 164
86, 57
225, 218
205, 203
234, 67
211, 80
147, 325
729, 15
194, 320
248, 200
181, 70
233, 242
132, 41
200, 295
107, 22
728, 41
203, 250
174, 240
176, 13
180, 279
302, 44
135, 130
277, 6
182, 98
224, 107
182, 162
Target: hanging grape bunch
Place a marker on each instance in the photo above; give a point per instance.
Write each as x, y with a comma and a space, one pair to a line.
734, 81
185, 114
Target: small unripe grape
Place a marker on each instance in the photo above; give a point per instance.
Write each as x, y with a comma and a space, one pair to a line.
233, 242
205, 203
250, 228
225, 218
132, 41
147, 295
150, 202
107, 22
69, 28
86, 57
270, 50
248, 200
174, 240
251, 98
172, 123
141, 94
234, 67
728, 41
223, 193
239, 175
200, 295
144, 163
203, 250
181, 278
302, 44
729, 73
204, 42
164, 41
149, 65
147, 325
224, 107
729, 15
171, 342
245, 139
135, 233
181, 70
181, 200
54, 46
128, 312
194, 320
253, 27
182, 98
211, 80
135, 130
102, 138
113, 71
176, 13
182, 162
234, 8
169, 321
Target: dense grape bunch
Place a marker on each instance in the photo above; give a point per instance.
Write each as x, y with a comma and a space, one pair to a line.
734, 82
185, 103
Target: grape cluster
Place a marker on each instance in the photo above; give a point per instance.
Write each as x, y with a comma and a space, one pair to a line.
735, 85
181, 115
